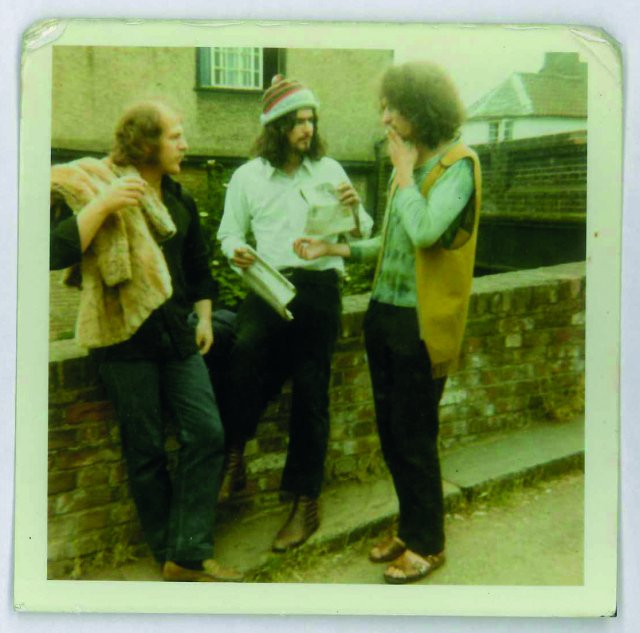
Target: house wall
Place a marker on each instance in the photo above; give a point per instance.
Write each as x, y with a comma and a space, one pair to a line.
93, 84
523, 361
345, 83
475, 132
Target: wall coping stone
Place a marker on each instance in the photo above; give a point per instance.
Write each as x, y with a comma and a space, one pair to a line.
357, 304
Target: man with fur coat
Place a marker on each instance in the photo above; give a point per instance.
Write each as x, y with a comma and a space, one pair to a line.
130, 237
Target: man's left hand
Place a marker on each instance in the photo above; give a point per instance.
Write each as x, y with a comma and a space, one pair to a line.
348, 195
204, 335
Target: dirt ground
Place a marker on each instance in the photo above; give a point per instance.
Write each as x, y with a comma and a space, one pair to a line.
532, 536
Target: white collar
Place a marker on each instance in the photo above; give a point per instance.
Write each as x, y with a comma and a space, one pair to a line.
270, 170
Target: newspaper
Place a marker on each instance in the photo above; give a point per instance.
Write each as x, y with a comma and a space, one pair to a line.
269, 284
326, 215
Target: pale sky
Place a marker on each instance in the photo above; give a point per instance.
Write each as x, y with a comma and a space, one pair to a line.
479, 61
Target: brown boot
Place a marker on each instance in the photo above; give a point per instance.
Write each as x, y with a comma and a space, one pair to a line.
303, 521
235, 475
211, 571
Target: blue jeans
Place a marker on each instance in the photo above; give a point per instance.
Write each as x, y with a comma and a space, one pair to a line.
177, 519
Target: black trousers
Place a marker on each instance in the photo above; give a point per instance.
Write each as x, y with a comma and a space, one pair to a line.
269, 350
406, 401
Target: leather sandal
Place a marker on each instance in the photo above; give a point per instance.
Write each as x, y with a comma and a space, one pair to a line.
302, 522
387, 550
212, 572
234, 478
412, 567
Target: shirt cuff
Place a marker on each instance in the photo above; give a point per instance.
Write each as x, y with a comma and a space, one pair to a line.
364, 250
356, 256
230, 244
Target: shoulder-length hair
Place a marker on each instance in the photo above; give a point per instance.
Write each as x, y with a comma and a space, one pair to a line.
425, 96
273, 144
137, 135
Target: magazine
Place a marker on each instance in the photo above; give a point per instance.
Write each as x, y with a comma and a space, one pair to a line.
269, 284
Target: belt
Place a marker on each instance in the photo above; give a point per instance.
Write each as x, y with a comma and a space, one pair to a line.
305, 274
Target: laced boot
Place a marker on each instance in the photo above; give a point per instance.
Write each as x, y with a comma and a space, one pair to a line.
234, 476
303, 521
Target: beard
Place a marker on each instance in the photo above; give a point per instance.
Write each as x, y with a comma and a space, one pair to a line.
302, 151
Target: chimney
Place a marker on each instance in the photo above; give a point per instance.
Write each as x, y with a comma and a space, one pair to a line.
567, 64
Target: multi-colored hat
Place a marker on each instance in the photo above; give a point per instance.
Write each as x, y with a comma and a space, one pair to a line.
284, 96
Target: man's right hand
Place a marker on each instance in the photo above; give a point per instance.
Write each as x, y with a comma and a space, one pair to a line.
126, 191
242, 258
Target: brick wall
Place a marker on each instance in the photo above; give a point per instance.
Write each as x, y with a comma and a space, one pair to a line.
539, 175
534, 201
522, 361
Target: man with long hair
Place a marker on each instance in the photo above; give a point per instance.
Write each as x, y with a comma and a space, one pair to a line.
415, 320
130, 235
264, 196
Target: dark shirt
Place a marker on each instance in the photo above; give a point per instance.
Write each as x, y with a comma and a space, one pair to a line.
168, 331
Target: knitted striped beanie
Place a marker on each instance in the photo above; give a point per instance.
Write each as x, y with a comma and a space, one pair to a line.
284, 96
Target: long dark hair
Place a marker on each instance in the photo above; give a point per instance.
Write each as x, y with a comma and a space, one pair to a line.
273, 144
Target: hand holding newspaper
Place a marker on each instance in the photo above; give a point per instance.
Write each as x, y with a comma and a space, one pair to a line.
269, 284
326, 215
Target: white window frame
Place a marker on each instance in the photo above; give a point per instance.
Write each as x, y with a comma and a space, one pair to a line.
494, 125
234, 68
509, 127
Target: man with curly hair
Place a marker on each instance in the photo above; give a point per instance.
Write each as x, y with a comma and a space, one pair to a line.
415, 320
264, 197
132, 235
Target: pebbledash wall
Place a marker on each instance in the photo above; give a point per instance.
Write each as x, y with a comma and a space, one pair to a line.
523, 361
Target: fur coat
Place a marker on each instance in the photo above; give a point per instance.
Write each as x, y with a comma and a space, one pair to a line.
123, 275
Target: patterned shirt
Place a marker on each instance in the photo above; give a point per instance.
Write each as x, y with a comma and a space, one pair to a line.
415, 222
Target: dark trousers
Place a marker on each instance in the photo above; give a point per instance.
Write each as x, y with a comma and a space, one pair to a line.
269, 350
406, 402
177, 519
223, 323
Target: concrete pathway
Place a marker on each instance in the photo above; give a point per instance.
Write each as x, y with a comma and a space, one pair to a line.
352, 510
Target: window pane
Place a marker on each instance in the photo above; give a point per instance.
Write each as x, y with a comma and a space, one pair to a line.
508, 130
235, 67
493, 131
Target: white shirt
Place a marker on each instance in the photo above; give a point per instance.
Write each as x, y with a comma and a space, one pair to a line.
268, 201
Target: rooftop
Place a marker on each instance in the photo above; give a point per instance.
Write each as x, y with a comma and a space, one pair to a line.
559, 89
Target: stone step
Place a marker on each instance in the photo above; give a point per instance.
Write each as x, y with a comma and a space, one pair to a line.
352, 510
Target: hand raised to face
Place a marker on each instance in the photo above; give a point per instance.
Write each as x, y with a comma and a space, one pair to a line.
403, 154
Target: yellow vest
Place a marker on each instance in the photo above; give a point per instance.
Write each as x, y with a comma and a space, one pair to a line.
444, 275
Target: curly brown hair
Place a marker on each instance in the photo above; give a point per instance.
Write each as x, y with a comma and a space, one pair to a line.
425, 96
137, 134
273, 144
